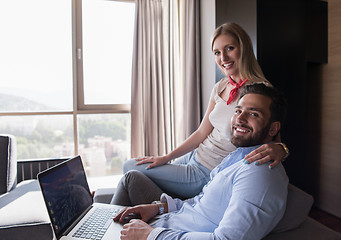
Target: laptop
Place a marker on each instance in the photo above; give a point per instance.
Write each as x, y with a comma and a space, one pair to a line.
70, 205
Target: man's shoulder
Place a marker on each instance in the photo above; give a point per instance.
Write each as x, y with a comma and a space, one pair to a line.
261, 174
235, 157
235, 166
253, 167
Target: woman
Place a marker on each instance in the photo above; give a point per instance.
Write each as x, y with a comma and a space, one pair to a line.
210, 143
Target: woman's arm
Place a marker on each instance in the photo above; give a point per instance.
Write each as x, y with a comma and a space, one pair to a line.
188, 145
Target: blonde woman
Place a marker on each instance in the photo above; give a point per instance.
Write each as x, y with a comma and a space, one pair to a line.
210, 143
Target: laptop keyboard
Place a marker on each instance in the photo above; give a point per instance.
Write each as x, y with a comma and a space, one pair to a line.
96, 224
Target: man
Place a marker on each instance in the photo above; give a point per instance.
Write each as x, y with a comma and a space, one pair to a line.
241, 201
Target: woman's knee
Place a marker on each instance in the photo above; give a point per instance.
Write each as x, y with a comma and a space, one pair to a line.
129, 165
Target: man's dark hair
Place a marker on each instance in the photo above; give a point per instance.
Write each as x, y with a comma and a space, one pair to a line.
278, 107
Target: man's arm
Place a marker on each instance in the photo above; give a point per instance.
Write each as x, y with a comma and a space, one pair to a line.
144, 212
174, 204
256, 206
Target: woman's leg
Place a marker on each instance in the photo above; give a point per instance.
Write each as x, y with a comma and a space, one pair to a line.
184, 178
135, 188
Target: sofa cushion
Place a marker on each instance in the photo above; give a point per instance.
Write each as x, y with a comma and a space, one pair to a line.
8, 163
297, 209
23, 214
104, 195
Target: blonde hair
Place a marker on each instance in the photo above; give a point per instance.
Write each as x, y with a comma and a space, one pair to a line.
249, 67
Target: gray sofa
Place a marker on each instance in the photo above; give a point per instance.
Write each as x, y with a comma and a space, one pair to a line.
22, 210
23, 214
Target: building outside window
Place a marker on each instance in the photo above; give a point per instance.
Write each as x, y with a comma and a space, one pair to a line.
65, 79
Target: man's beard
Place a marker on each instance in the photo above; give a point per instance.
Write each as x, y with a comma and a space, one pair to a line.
253, 140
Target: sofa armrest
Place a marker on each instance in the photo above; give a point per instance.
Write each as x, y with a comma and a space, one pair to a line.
23, 214
8, 163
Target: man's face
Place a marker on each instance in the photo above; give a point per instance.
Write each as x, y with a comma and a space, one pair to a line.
251, 121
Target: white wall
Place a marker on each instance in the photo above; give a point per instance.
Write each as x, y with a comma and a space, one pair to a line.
207, 60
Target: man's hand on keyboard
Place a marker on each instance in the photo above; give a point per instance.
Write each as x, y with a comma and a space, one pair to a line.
144, 212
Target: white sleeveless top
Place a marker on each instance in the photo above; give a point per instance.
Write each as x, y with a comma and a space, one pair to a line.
218, 143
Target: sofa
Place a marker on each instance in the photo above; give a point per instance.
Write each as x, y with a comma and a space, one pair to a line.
23, 214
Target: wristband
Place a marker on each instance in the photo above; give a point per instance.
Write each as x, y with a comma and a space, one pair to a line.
286, 149
161, 207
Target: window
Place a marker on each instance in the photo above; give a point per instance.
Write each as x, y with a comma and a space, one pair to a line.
65, 70
101, 58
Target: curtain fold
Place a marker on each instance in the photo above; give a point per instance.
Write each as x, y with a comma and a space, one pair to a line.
190, 63
165, 107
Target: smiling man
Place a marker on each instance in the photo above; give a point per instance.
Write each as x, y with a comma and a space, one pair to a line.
240, 201
252, 122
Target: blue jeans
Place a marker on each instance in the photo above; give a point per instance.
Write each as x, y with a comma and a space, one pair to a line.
184, 178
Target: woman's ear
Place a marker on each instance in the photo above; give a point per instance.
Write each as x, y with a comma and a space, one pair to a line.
274, 128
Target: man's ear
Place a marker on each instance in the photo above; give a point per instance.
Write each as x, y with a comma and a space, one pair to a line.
274, 128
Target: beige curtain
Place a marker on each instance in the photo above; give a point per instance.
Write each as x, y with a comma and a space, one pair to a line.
165, 107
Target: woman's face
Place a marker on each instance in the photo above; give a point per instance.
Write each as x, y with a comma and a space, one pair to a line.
227, 53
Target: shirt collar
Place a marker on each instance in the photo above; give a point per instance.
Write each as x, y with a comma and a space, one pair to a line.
235, 156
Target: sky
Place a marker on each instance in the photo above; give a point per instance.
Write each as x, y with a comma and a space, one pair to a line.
36, 52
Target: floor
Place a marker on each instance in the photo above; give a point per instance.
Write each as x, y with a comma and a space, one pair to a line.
326, 219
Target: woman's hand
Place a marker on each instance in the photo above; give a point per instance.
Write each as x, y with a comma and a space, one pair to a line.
266, 153
156, 161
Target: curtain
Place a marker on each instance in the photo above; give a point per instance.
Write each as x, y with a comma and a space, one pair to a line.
165, 107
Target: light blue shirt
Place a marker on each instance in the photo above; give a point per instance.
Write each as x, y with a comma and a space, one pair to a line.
241, 201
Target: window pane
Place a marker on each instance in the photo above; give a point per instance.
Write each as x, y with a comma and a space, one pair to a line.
35, 55
108, 28
104, 142
40, 136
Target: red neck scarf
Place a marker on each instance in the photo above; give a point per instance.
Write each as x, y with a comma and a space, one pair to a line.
234, 91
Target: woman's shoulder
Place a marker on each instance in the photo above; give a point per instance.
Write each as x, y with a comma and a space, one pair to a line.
221, 85
259, 80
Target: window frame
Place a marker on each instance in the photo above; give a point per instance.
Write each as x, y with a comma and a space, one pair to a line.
78, 67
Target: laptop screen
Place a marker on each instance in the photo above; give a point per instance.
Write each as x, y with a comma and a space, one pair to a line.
66, 193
